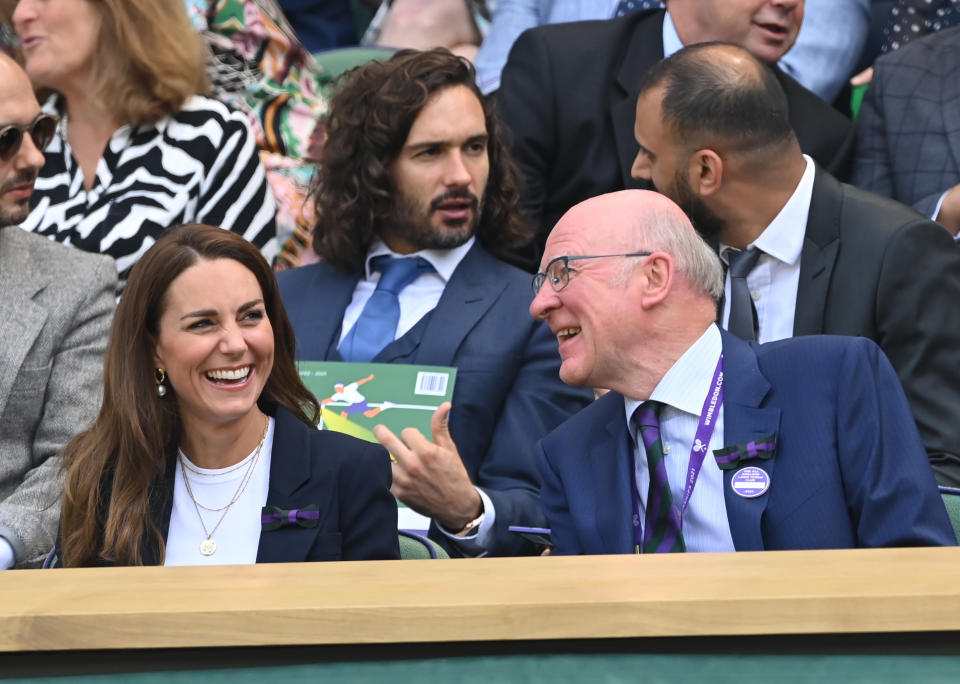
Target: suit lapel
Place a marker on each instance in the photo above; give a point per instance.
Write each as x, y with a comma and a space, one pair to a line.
289, 471
469, 294
321, 315
21, 319
644, 50
609, 459
821, 243
744, 419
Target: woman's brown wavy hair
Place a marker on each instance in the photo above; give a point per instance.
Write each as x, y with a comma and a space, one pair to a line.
149, 59
114, 468
369, 121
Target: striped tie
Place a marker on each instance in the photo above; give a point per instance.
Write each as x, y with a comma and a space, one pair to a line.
661, 525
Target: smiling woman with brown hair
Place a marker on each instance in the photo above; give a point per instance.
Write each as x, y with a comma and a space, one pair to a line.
205, 450
139, 147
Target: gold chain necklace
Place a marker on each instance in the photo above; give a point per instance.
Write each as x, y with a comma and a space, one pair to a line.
208, 546
247, 462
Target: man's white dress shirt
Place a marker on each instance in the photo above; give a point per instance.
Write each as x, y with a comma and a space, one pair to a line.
417, 300
774, 280
682, 392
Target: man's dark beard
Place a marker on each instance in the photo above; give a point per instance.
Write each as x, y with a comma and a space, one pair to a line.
413, 226
18, 217
707, 223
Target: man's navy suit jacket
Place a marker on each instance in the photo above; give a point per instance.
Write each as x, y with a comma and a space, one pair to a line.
849, 469
569, 97
507, 394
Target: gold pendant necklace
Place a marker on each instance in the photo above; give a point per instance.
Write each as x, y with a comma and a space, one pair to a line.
208, 546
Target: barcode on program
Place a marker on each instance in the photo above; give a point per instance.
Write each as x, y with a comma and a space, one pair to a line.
432, 384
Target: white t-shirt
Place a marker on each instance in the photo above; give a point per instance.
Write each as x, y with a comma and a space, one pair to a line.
238, 536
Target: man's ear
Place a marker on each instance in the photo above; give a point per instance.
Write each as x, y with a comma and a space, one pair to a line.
657, 280
705, 172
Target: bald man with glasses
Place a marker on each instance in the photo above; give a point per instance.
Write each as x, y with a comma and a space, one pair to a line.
707, 442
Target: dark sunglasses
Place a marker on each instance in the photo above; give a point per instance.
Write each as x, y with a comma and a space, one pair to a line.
41, 130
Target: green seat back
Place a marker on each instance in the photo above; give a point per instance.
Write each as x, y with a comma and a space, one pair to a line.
951, 499
417, 547
335, 62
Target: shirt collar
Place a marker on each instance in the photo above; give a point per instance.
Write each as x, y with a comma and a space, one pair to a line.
671, 39
783, 238
685, 385
444, 261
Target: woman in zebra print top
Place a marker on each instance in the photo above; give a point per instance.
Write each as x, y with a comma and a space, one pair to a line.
139, 150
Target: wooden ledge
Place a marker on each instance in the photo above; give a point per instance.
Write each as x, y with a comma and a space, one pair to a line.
785, 592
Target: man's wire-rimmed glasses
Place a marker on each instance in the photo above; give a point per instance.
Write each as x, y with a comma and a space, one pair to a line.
557, 272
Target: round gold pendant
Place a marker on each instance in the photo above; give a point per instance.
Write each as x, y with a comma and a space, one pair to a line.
208, 547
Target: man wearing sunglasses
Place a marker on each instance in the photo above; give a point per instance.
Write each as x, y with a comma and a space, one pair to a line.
56, 307
706, 442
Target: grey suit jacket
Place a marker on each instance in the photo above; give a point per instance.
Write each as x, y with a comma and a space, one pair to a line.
908, 129
56, 308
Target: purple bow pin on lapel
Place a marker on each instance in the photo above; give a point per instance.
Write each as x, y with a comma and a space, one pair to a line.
272, 518
731, 457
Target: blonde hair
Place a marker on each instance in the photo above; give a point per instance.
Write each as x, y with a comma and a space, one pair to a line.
149, 59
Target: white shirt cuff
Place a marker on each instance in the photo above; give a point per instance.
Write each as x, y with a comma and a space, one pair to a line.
936, 209
476, 544
6, 555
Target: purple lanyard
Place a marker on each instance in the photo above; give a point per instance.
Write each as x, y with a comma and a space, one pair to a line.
698, 452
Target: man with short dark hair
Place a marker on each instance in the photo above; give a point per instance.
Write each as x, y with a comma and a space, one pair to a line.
56, 307
568, 95
414, 174
705, 442
805, 253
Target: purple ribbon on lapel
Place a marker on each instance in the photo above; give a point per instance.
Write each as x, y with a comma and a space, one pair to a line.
731, 457
272, 518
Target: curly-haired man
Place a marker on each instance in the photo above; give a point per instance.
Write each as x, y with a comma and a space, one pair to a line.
413, 166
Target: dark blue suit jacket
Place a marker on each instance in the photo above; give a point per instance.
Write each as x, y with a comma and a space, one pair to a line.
849, 468
348, 478
508, 392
